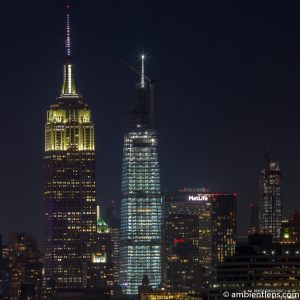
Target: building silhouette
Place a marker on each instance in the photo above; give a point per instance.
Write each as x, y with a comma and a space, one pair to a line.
25, 266
140, 237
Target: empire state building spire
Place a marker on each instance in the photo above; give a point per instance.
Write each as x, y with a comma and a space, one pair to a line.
68, 86
68, 31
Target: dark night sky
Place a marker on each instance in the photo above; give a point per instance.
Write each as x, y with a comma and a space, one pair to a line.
229, 89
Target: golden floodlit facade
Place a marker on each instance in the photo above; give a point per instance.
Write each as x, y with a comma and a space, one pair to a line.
69, 186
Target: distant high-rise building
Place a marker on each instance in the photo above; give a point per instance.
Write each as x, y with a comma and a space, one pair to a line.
224, 221
140, 238
270, 206
114, 225
213, 216
69, 184
5, 273
115, 239
290, 229
102, 274
25, 265
254, 226
184, 272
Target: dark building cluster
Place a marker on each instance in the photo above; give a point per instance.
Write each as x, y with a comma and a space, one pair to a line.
179, 244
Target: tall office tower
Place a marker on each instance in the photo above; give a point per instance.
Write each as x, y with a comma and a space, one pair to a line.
114, 225
253, 226
25, 265
69, 184
102, 268
216, 232
184, 272
270, 207
224, 222
115, 239
140, 240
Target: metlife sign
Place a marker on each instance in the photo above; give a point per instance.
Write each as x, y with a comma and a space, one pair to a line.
198, 198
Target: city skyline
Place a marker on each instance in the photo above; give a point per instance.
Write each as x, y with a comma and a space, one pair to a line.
195, 118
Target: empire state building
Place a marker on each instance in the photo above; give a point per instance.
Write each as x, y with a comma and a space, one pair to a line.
69, 184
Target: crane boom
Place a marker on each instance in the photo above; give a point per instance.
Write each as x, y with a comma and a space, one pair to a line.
132, 68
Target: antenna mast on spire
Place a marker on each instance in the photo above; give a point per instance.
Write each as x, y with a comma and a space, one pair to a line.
68, 87
143, 71
151, 84
68, 30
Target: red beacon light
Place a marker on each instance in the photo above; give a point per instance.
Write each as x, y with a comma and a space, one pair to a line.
178, 241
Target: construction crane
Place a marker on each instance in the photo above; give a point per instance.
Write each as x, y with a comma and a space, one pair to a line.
151, 87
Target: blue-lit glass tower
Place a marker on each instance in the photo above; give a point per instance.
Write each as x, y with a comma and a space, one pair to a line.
140, 239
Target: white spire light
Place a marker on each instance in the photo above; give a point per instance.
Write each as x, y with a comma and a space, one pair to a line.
143, 72
68, 31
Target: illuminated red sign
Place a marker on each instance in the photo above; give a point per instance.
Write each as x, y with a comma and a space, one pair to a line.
176, 241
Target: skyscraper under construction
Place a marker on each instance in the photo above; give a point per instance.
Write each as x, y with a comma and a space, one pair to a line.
69, 184
140, 239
